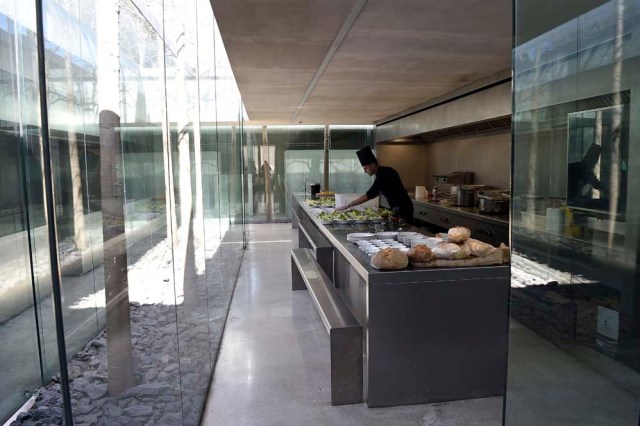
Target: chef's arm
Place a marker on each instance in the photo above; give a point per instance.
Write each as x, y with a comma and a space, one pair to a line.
361, 199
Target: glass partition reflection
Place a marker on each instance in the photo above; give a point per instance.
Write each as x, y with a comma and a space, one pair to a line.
144, 203
283, 160
25, 300
575, 335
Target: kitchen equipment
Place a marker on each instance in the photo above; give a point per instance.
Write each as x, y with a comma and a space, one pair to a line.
421, 193
315, 188
454, 178
493, 205
454, 189
466, 197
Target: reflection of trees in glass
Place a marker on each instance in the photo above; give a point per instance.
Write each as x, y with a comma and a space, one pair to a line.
74, 162
614, 184
119, 347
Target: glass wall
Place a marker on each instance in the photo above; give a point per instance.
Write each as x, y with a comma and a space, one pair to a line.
145, 125
25, 286
154, 176
574, 355
282, 160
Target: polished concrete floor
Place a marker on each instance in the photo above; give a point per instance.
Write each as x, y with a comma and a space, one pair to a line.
273, 367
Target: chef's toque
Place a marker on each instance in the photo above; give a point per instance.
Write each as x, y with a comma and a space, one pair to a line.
365, 155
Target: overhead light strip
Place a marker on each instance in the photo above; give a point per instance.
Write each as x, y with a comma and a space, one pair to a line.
346, 27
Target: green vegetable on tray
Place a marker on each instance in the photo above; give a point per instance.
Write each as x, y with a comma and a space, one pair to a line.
321, 202
359, 215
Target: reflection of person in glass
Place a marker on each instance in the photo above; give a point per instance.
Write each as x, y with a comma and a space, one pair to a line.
387, 183
582, 177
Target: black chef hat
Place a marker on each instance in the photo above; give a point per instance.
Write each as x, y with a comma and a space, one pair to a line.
365, 155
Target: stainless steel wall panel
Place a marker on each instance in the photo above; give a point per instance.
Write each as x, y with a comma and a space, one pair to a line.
488, 104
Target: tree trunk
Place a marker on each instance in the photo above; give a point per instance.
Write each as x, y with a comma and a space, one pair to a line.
74, 162
119, 350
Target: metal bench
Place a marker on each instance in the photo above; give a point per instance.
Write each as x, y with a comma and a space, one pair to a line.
345, 333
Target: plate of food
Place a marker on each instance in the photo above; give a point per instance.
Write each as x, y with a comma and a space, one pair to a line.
326, 218
358, 216
341, 218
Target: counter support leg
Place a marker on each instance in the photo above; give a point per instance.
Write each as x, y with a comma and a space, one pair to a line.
297, 283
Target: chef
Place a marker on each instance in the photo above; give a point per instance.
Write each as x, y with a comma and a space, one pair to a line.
387, 183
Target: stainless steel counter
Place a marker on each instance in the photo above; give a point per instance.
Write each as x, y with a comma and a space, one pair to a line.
430, 335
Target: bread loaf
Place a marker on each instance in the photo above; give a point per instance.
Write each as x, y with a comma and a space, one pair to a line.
450, 251
389, 259
420, 253
458, 234
480, 249
466, 250
506, 254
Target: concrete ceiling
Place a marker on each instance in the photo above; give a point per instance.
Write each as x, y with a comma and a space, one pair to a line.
291, 67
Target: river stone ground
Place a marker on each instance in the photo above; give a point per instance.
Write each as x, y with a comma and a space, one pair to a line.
174, 348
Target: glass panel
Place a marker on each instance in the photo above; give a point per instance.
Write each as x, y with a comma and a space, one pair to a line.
147, 170
228, 146
23, 236
574, 299
219, 289
190, 287
294, 157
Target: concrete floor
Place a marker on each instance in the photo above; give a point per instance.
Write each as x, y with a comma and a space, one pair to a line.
273, 368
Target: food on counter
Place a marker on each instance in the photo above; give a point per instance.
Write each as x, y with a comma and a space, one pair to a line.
384, 213
431, 242
449, 251
340, 217
478, 248
361, 216
466, 250
358, 216
321, 202
325, 217
496, 258
506, 253
389, 258
459, 234
420, 253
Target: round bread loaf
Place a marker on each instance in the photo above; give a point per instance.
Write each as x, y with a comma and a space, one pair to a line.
449, 251
458, 234
389, 259
420, 253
